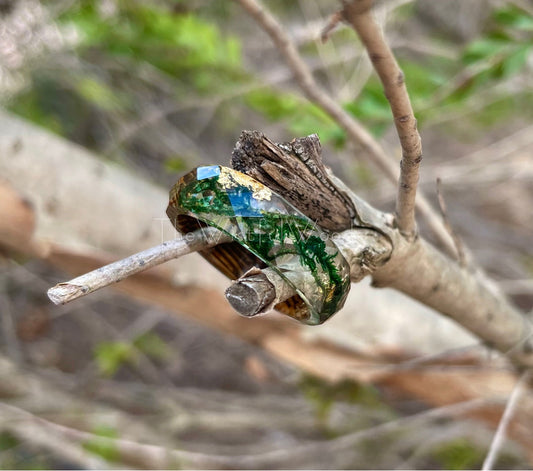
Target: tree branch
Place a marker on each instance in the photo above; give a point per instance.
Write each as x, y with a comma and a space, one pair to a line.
461, 255
147, 455
114, 272
358, 14
508, 413
371, 245
307, 83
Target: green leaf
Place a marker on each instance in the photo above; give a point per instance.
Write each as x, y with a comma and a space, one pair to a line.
181, 44
274, 105
176, 164
30, 105
7, 441
371, 106
514, 17
110, 356
483, 49
324, 395
515, 61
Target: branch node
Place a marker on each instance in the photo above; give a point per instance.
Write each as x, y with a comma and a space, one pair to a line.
331, 25
400, 79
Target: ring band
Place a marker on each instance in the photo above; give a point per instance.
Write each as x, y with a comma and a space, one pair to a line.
267, 231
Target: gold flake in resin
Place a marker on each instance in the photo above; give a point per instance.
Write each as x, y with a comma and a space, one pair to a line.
231, 179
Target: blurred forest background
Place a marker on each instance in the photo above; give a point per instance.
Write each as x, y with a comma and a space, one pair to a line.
152, 89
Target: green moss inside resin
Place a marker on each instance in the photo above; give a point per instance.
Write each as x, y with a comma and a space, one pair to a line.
270, 228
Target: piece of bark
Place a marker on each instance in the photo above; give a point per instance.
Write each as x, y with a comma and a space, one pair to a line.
295, 171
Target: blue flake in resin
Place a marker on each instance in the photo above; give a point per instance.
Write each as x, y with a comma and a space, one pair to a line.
207, 172
243, 203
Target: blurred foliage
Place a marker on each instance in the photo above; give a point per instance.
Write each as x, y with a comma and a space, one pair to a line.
499, 54
110, 356
152, 346
324, 395
129, 58
13, 456
7, 441
176, 42
104, 448
462, 454
187, 57
176, 164
459, 454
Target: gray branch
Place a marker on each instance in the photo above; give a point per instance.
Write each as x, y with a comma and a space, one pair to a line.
104, 276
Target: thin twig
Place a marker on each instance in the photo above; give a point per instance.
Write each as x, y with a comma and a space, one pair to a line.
153, 118
456, 239
8, 325
331, 25
72, 453
508, 413
193, 241
355, 131
358, 14
521, 286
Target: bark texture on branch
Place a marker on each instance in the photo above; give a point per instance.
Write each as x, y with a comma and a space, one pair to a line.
358, 14
423, 273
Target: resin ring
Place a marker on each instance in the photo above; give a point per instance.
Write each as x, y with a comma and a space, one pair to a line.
267, 231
